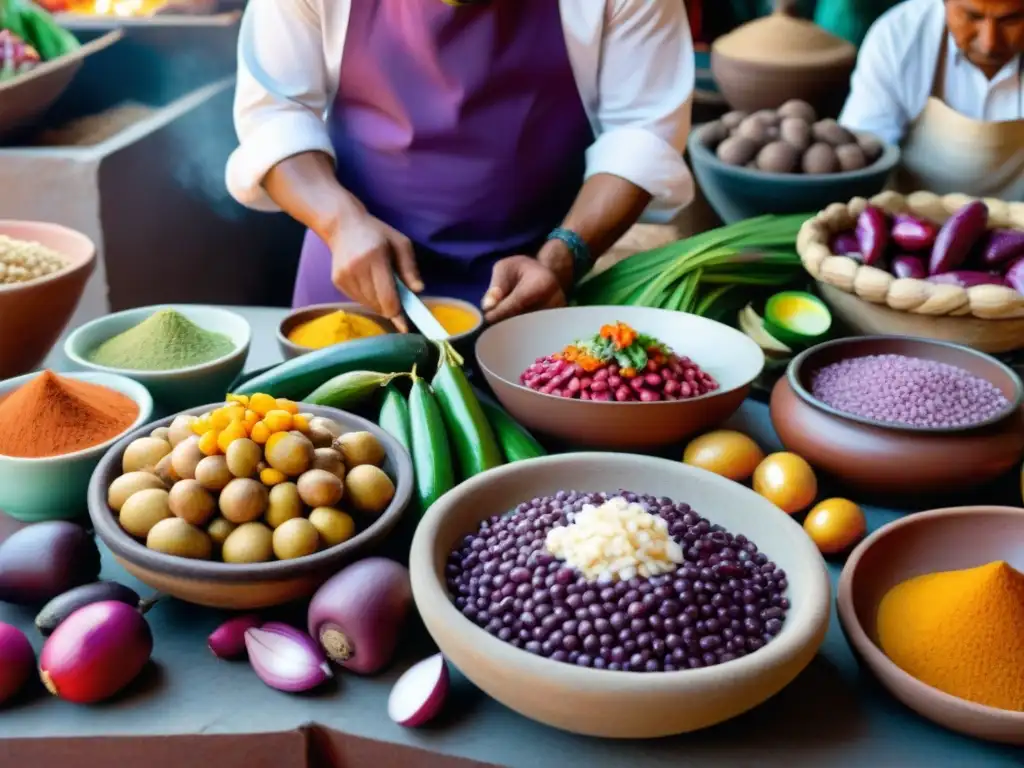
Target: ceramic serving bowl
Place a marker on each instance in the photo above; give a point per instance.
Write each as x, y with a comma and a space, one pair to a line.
738, 193
257, 585
927, 542
53, 488
172, 390
34, 314
600, 702
877, 458
505, 350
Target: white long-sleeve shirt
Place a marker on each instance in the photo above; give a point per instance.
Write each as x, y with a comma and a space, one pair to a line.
633, 62
896, 69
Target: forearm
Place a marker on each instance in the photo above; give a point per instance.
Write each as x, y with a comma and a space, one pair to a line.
305, 187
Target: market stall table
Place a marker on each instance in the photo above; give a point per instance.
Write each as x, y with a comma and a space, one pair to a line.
223, 716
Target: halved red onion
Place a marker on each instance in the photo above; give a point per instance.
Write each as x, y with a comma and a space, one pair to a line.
286, 658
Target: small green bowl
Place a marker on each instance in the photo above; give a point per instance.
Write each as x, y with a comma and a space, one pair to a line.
54, 488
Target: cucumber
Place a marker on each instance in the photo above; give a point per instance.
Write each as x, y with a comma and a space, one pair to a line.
473, 439
347, 390
516, 443
296, 378
394, 416
431, 454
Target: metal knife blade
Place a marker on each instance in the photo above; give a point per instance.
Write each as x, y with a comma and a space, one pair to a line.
418, 313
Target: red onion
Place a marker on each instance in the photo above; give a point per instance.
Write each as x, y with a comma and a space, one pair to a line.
95, 652
286, 658
17, 661
419, 694
228, 640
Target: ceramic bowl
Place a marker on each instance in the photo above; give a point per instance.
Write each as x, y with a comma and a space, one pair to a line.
738, 193
927, 542
54, 488
299, 316
34, 314
177, 389
258, 585
505, 350
877, 458
600, 702
754, 85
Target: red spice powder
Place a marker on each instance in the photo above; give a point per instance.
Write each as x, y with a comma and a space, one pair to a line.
52, 416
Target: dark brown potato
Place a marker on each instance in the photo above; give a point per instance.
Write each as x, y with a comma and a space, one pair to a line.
737, 150
871, 146
767, 116
851, 157
732, 119
778, 157
819, 159
713, 134
796, 132
755, 129
831, 132
800, 109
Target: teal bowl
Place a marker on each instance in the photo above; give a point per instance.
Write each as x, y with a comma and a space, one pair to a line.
738, 193
54, 488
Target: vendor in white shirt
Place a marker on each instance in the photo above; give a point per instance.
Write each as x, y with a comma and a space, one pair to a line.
484, 150
944, 78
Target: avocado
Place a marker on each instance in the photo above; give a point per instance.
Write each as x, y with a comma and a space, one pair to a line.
796, 318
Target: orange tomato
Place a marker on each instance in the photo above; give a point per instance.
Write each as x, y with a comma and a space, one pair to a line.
787, 481
725, 452
835, 525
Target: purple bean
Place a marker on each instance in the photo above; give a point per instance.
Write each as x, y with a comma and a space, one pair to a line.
584, 395
613, 368
957, 237
905, 265
574, 384
667, 374
872, 234
1002, 246
1015, 275
647, 396
653, 380
913, 234
600, 374
623, 393
547, 389
636, 383
845, 244
556, 391
614, 381
671, 387
599, 386
967, 278
685, 389
585, 382
602, 397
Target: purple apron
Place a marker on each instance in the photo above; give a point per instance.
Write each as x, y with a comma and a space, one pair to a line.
462, 128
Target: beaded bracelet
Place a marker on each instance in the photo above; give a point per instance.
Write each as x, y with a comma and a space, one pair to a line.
581, 258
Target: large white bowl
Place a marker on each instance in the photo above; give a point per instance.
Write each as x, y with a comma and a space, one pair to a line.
506, 349
54, 488
177, 389
620, 704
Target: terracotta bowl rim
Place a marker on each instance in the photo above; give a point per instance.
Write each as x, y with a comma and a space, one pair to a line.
806, 620
795, 366
124, 546
874, 655
239, 351
489, 372
87, 262
888, 160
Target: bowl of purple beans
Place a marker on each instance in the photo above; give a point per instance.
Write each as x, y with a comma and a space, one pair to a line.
896, 414
619, 595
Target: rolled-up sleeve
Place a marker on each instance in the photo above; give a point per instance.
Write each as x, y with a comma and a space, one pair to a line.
645, 92
282, 94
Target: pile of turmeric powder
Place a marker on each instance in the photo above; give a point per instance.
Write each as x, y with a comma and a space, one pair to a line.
333, 328
961, 632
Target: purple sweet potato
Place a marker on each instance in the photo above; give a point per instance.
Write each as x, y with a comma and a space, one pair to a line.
872, 234
961, 232
911, 233
1002, 246
1015, 275
906, 265
967, 278
846, 244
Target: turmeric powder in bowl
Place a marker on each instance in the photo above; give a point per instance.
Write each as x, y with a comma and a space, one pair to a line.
333, 328
961, 632
454, 319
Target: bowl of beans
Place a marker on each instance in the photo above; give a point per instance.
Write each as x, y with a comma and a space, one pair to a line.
43, 271
619, 595
901, 415
618, 377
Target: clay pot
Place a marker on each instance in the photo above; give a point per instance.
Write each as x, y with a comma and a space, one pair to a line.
767, 62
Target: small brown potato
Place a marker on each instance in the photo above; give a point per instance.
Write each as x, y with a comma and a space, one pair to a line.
713, 134
871, 146
732, 119
175, 536
144, 453
768, 117
851, 157
737, 150
799, 109
284, 504
213, 474
243, 456
323, 424
295, 538
330, 460
333, 525
180, 429
820, 158
291, 453
126, 486
320, 488
191, 502
359, 448
755, 129
185, 457
778, 157
162, 433
369, 489
832, 133
143, 510
796, 133
243, 500
248, 543
219, 529
165, 471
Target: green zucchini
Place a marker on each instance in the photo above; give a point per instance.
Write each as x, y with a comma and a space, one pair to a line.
516, 443
473, 439
296, 378
347, 390
431, 454
394, 416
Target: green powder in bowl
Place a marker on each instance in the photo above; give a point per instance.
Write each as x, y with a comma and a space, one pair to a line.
164, 341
